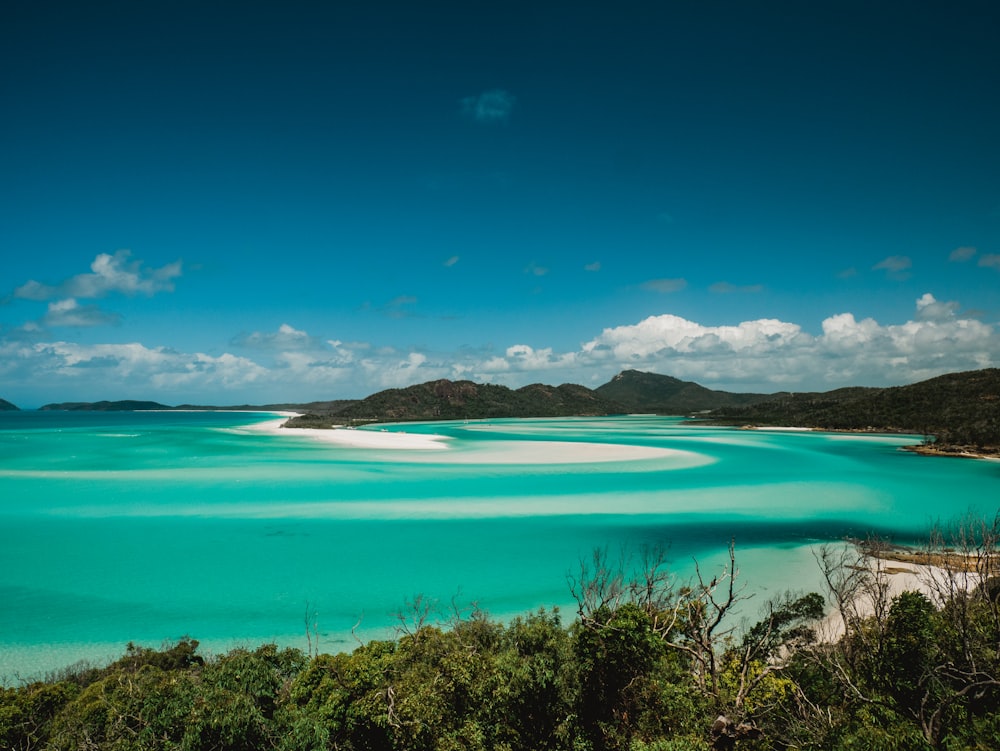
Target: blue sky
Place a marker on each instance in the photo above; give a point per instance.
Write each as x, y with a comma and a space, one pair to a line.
259, 202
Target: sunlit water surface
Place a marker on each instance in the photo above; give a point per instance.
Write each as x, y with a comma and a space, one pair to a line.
145, 527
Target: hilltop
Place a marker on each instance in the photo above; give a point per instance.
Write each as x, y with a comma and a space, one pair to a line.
665, 395
460, 400
7, 406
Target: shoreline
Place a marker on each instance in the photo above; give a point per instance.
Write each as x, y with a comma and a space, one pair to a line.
954, 452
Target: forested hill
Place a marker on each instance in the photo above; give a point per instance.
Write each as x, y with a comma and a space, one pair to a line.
6, 406
458, 400
960, 409
665, 395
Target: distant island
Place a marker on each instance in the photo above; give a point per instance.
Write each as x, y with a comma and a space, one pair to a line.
958, 414
6, 406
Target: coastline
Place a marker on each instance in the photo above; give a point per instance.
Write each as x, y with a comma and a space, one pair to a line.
955, 452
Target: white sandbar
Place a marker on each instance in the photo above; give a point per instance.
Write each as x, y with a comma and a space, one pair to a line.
349, 437
482, 452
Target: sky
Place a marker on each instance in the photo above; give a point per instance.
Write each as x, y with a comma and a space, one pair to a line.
229, 203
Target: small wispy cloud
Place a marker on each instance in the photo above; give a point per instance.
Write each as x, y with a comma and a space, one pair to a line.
285, 338
964, 253
725, 288
451, 261
535, 270
70, 313
991, 260
595, 266
665, 285
847, 273
493, 106
895, 267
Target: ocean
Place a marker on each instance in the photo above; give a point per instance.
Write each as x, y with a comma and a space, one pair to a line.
148, 526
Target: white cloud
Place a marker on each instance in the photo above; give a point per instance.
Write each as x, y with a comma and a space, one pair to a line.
291, 365
451, 261
991, 260
493, 106
595, 266
929, 309
109, 273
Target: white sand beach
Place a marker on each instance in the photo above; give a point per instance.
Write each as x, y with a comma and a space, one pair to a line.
426, 447
348, 437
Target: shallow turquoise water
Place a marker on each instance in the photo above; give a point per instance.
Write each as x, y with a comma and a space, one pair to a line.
149, 526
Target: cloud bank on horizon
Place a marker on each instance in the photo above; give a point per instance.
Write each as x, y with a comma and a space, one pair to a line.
290, 364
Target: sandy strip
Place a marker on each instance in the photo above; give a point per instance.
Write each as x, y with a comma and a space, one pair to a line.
929, 581
418, 446
351, 438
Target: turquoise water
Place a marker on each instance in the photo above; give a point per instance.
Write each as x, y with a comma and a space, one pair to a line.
118, 527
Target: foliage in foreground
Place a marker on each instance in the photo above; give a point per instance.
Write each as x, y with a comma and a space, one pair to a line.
647, 665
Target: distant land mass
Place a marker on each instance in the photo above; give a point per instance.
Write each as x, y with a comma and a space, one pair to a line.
961, 411
6, 406
127, 405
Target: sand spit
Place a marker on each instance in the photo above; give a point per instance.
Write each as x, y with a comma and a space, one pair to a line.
424, 447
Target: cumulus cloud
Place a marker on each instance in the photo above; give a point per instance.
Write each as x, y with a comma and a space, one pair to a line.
962, 254
122, 368
929, 309
763, 355
895, 267
991, 260
493, 106
108, 273
665, 285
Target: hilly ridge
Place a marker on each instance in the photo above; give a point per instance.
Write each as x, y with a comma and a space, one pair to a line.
458, 400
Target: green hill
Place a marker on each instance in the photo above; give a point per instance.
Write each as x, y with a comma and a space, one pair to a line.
7, 406
665, 395
458, 400
960, 409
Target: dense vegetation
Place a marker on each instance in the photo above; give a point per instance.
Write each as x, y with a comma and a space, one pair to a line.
647, 665
665, 395
125, 405
5, 405
460, 400
960, 409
